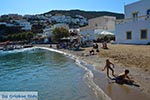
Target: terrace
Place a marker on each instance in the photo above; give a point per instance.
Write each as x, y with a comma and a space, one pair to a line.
135, 19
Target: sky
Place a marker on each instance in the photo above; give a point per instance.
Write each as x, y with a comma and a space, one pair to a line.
32, 7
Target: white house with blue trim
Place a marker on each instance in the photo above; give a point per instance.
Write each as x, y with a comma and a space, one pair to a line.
135, 28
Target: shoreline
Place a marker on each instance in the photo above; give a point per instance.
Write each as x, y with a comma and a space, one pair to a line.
100, 79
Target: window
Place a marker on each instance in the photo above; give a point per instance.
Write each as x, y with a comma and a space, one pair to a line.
129, 35
96, 25
148, 13
135, 16
144, 34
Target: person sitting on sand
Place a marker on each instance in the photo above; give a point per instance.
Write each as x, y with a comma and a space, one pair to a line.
124, 78
97, 50
95, 46
104, 45
107, 66
92, 52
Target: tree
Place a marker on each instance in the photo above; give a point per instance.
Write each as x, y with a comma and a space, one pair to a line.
29, 36
59, 33
21, 36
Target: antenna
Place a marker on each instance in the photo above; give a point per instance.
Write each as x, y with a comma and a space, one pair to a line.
124, 5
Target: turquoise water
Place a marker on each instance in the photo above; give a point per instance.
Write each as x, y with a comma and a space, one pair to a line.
53, 75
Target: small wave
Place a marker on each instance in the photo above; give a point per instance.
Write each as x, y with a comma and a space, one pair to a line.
89, 79
16, 51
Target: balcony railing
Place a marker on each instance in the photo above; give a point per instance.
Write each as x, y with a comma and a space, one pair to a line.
139, 18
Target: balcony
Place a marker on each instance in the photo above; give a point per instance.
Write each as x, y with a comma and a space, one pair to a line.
128, 20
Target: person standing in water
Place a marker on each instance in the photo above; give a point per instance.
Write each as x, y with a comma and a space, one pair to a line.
108, 67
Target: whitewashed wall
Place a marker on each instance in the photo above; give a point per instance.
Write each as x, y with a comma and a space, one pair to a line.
135, 27
141, 7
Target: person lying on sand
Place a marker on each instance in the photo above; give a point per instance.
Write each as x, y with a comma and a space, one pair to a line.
124, 78
108, 66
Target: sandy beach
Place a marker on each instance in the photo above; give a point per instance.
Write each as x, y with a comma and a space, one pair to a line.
136, 58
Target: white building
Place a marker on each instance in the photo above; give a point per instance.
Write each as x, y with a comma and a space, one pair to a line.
58, 18
7, 24
24, 24
87, 35
101, 23
98, 25
61, 25
3, 23
135, 28
47, 32
68, 19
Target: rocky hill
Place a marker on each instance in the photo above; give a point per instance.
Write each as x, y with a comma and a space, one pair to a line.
86, 14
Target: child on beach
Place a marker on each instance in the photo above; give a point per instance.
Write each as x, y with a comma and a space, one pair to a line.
124, 78
107, 67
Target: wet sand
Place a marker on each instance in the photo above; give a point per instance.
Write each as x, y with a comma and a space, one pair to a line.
117, 91
124, 57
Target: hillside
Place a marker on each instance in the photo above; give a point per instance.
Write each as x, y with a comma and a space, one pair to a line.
86, 14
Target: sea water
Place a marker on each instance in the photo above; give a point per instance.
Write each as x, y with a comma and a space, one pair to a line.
52, 74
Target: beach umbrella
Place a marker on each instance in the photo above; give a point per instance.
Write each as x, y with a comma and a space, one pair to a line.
106, 33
